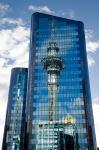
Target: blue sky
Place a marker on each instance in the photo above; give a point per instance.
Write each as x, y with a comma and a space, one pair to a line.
14, 40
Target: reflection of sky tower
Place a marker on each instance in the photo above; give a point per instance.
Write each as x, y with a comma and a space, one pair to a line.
53, 64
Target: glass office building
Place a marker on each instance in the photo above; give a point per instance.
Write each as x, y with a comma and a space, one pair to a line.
59, 101
15, 125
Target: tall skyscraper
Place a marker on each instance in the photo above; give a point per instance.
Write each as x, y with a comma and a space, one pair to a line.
15, 124
59, 101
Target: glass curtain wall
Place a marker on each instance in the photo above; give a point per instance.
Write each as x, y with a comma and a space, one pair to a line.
73, 106
14, 133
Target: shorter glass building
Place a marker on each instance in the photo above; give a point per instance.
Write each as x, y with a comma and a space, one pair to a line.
15, 118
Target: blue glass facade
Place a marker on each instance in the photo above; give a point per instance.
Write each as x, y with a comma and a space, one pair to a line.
73, 107
16, 111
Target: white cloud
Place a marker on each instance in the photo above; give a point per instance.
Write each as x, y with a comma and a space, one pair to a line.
2, 118
71, 13
89, 33
92, 46
44, 9
14, 45
96, 101
91, 61
4, 84
4, 8
14, 42
2, 62
96, 117
67, 14
5, 21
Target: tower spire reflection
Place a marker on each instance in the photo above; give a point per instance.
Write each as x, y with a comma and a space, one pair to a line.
53, 64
